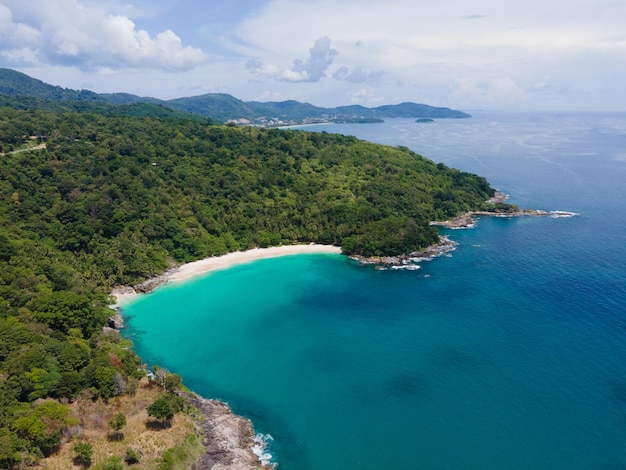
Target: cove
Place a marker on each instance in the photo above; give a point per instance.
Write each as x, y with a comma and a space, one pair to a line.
509, 353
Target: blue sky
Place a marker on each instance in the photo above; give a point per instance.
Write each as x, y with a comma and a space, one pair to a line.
544, 55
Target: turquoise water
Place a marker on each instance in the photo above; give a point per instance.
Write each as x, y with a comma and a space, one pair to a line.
510, 353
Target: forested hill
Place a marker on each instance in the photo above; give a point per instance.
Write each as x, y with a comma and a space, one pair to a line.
124, 194
91, 200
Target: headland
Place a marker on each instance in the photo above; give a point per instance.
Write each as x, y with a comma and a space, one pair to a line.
500, 209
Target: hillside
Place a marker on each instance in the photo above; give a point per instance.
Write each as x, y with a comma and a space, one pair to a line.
224, 107
13, 83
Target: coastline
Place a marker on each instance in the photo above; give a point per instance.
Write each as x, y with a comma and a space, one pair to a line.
412, 260
469, 219
197, 268
229, 439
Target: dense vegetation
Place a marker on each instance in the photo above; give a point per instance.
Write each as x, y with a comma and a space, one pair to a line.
113, 199
25, 102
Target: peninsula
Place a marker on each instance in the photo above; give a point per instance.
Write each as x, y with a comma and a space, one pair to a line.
497, 207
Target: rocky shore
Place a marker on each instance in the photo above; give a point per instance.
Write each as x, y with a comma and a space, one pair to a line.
228, 438
468, 219
465, 220
409, 261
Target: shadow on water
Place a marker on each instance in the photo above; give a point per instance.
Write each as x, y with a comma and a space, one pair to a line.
408, 385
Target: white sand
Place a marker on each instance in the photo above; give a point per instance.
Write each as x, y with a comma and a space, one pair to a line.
206, 265
122, 296
203, 266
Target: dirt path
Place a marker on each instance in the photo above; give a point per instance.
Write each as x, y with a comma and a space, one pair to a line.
36, 147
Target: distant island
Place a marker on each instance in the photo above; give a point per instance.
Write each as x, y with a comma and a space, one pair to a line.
225, 108
424, 120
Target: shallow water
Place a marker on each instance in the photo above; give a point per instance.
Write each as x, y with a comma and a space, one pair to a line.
509, 353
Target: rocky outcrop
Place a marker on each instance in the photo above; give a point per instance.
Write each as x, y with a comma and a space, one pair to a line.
227, 437
411, 260
116, 321
465, 220
468, 219
154, 282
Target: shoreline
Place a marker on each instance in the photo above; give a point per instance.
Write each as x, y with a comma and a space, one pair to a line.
229, 439
412, 260
469, 219
193, 269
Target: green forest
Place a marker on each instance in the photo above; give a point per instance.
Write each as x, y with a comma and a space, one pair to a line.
95, 198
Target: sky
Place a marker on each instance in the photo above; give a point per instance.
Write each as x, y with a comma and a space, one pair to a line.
530, 55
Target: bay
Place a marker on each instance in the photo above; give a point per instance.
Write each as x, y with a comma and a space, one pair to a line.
510, 353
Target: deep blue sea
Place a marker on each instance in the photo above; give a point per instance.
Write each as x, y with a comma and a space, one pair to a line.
508, 354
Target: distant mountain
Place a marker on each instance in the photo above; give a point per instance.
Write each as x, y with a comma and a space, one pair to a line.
414, 110
215, 105
227, 107
127, 98
224, 107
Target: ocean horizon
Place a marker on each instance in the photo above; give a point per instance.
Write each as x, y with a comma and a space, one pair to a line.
508, 352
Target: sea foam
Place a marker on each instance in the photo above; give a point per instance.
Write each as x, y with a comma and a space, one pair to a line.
562, 214
260, 449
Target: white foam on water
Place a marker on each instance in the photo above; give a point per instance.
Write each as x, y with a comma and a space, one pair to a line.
407, 267
562, 214
261, 443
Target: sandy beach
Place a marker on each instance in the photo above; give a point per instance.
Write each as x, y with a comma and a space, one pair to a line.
206, 265
203, 266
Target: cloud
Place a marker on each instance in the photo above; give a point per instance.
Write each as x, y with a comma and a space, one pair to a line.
474, 17
499, 91
356, 75
321, 56
363, 95
487, 54
66, 32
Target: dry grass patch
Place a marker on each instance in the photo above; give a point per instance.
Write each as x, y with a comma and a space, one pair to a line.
141, 432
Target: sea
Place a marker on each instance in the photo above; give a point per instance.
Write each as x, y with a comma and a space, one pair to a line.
507, 353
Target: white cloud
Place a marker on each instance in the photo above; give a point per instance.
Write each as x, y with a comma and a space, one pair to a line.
501, 91
321, 55
356, 75
363, 96
431, 47
454, 53
71, 33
